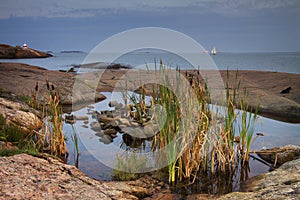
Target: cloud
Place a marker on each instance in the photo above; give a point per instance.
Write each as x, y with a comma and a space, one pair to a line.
245, 7
81, 8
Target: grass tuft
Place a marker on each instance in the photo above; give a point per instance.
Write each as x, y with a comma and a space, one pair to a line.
210, 145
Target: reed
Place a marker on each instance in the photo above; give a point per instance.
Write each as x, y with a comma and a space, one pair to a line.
210, 145
74, 138
246, 131
50, 138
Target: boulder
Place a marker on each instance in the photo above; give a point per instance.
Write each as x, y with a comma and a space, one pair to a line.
18, 113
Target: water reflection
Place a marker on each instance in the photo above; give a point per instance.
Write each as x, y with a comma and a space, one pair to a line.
275, 134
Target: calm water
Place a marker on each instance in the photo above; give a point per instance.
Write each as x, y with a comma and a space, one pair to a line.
276, 133
280, 62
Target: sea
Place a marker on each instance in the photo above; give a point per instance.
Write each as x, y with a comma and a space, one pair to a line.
288, 62
276, 133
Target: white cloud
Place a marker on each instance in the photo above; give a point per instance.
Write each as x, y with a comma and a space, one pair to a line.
82, 8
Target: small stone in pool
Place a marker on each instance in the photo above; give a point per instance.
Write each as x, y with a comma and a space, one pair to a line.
99, 134
112, 103
106, 139
110, 131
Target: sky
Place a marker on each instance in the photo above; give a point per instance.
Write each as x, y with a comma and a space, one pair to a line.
230, 25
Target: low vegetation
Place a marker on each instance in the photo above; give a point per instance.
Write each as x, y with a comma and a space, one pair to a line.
50, 138
20, 143
198, 137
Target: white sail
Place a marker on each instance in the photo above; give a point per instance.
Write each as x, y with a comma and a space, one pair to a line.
214, 51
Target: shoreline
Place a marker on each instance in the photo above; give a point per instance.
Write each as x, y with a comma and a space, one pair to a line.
264, 88
19, 79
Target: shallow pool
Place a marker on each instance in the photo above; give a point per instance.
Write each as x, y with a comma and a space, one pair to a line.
276, 133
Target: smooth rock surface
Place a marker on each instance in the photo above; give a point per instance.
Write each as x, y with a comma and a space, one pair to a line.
26, 177
23, 79
264, 88
18, 114
282, 183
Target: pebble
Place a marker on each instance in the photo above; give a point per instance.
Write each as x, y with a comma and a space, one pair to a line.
81, 117
99, 134
106, 139
113, 103
95, 126
110, 131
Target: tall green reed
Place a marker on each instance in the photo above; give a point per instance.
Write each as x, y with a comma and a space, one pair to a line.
75, 140
209, 146
248, 120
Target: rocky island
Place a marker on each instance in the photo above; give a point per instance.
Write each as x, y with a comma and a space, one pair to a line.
10, 52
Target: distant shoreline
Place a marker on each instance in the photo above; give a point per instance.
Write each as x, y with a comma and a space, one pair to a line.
18, 52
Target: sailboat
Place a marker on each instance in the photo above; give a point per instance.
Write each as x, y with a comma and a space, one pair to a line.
214, 51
